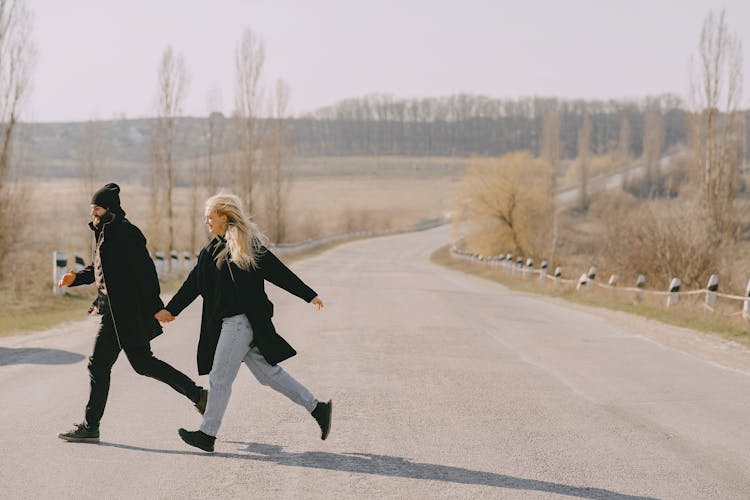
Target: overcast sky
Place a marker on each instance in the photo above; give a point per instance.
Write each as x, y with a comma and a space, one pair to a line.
97, 59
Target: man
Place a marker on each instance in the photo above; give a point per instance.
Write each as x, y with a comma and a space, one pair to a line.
128, 298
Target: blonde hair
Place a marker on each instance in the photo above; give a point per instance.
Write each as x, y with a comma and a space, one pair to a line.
244, 238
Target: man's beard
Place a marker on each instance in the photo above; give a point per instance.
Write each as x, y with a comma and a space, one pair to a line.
105, 218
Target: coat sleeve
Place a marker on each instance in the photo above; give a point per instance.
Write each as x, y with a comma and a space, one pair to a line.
84, 276
187, 293
274, 271
144, 272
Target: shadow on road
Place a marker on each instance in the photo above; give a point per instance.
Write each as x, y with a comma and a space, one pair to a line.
37, 356
384, 465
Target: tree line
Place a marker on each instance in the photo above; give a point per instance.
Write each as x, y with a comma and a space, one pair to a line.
466, 124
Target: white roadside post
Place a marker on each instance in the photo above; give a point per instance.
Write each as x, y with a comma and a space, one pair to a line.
674, 292
712, 287
558, 275
591, 275
746, 303
529, 266
59, 265
640, 284
543, 271
519, 263
508, 261
613, 280
186, 262
80, 264
160, 265
583, 281
175, 262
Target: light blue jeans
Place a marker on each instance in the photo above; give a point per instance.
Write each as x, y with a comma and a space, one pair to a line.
234, 348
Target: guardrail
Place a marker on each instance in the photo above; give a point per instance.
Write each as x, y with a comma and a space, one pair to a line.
517, 264
181, 263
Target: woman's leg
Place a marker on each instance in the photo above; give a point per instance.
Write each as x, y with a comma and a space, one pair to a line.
233, 345
276, 378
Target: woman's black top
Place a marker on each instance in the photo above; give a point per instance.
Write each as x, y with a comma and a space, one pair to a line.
228, 301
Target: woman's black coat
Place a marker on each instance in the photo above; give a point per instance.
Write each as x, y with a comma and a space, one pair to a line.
250, 286
130, 278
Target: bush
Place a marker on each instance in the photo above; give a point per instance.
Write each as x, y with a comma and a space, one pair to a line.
663, 240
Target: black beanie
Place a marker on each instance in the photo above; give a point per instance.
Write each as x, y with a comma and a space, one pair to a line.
108, 197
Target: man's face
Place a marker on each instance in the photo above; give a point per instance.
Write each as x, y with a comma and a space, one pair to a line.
96, 213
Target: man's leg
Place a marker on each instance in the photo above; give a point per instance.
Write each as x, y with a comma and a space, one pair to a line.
144, 363
106, 351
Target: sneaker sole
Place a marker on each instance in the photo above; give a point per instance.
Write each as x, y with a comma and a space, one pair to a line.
78, 440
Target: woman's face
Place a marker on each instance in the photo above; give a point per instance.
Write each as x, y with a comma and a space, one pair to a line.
217, 223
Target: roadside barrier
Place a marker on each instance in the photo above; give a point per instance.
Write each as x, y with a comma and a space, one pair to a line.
507, 263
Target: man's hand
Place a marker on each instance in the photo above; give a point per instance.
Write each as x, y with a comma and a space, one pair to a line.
164, 316
67, 279
317, 303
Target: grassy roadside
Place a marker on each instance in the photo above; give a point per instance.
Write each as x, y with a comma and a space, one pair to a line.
39, 308
689, 313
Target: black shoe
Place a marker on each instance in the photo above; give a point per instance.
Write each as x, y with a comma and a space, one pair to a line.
322, 414
200, 405
81, 434
199, 439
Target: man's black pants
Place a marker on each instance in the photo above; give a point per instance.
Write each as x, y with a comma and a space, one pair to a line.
138, 350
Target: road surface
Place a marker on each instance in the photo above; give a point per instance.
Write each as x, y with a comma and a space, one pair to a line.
445, 386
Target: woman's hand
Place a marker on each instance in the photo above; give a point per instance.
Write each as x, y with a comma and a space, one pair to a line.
164, 316
317, 303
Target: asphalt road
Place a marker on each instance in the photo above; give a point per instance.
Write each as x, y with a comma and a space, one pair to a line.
445, 386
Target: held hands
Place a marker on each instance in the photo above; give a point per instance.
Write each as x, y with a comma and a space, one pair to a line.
317, 303
67, 279
164, 316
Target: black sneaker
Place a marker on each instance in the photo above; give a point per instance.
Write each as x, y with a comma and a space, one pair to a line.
199, 439
200, 405
81, 434
322, 414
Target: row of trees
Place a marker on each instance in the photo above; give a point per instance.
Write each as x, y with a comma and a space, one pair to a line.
465, 124
256, 151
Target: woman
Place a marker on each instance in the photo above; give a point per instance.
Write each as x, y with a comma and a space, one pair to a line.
236, 319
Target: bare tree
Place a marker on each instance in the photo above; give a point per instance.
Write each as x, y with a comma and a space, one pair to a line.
93, 155
653, 144
715, 134
194, 203
622, 152
214, 140
249, 60
278, 162
171, 87
17, 57
584, 142
550, 151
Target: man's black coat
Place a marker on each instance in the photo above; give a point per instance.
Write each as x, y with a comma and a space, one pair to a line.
250, 287
130, 278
